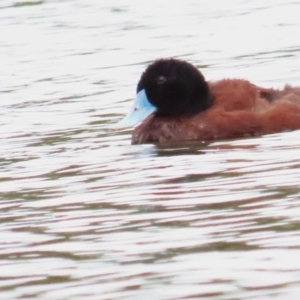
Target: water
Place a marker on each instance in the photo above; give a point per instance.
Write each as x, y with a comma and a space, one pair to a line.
85, 215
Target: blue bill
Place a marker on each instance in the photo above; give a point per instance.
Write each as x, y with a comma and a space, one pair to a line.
141, 109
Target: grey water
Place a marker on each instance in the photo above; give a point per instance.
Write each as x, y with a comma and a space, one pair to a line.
86, 215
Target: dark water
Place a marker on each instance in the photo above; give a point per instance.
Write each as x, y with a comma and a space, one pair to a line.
85, 215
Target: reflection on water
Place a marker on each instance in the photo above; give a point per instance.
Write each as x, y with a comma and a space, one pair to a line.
85, 215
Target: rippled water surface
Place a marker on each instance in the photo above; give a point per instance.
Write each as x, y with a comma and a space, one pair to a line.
85, 215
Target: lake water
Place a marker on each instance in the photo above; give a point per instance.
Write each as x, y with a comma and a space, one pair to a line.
86, 215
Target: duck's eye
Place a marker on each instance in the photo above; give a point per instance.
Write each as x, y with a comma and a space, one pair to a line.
161, 79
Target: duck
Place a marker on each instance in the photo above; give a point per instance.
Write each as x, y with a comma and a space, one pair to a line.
175, 103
